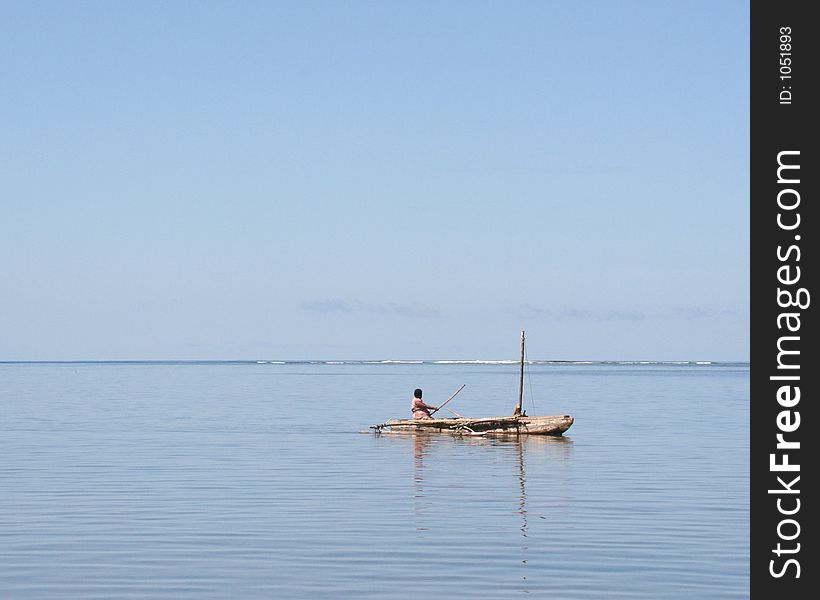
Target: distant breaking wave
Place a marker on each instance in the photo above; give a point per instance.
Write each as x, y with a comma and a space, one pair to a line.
394, 362
503, 362
475, 362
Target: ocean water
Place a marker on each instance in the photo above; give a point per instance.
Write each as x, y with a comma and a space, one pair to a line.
263, 480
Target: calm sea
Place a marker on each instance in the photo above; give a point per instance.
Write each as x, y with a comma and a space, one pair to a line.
263, 480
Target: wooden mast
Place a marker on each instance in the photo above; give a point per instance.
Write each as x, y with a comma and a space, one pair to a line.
517, 410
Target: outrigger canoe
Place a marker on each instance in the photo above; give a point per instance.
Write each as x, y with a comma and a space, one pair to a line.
517, 424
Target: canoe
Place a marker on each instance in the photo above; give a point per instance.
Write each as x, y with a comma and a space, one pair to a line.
522, 424
517, 424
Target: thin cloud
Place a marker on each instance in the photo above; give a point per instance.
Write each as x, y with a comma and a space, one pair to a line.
624, 315
414, 310
695, 312
687, 313
335, 305
529, 311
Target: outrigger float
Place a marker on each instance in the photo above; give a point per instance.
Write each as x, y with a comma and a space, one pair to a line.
516, 424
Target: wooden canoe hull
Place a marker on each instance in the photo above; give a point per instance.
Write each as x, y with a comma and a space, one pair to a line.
554, 425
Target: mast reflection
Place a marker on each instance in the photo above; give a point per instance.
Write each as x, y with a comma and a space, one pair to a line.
434, 455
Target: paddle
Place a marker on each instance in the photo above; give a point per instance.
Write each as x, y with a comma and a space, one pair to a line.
448, 399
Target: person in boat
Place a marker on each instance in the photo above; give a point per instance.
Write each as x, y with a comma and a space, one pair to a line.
419, 408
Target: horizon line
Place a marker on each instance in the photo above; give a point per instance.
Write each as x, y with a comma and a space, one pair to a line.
499, 361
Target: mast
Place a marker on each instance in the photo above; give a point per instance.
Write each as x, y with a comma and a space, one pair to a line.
517, 410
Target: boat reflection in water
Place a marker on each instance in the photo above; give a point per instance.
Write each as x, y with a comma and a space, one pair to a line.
466, 487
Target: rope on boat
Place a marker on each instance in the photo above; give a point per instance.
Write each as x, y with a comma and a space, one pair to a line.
529, 380
464, 430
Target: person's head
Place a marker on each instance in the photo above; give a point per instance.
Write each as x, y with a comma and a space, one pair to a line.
417, 393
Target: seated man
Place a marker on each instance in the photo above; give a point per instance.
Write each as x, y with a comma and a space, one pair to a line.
419, 408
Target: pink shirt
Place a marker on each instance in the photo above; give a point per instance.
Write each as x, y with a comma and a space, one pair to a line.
420, 409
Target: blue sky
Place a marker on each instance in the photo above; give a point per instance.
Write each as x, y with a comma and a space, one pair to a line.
374, 180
